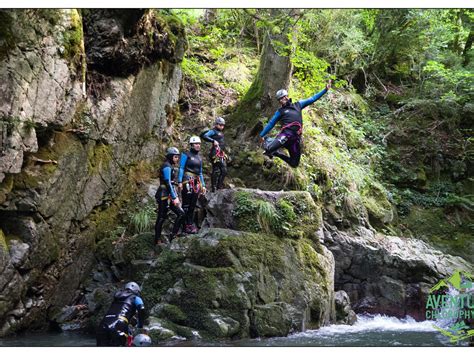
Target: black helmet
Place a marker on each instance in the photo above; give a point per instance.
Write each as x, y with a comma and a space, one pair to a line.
219, 120
172, 151
133, 286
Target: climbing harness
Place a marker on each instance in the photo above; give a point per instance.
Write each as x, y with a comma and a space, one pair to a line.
291, 124
220, 155
193, 183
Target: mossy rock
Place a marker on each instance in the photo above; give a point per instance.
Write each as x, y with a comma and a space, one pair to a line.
99, 157
211, 281
3, 242
445, 231
286, 214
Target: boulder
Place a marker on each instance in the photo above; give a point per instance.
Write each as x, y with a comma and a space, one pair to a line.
344, 312
385, 274
226, 283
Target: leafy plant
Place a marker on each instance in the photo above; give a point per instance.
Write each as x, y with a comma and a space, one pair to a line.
142, 220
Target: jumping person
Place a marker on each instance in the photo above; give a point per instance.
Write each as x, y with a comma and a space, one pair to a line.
114, 328
166, 196
190, 175
289, 114
217, 154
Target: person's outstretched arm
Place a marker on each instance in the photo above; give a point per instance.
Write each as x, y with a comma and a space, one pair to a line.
312, 99
270, 124
182, 164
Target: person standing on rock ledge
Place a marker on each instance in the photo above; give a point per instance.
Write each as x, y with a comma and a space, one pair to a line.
114, 328
289, 114
190, 177
166, 196
217, 154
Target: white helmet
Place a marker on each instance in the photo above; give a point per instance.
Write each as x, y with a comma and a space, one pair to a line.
219, 120
194, 139
133, 286
141, 340
281, 93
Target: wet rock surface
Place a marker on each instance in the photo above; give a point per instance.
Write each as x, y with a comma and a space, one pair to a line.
387, 275
66, 160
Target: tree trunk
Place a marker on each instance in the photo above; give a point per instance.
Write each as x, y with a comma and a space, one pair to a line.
273, 74
209, 16
467, 48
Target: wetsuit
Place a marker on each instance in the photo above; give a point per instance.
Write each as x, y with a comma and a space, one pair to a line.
289, 137
217, 157
166, 192
113, 329
190, 174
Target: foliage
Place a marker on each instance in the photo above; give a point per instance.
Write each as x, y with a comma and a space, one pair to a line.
142, 220
404, 84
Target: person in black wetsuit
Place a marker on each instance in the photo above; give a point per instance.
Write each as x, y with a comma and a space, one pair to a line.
114, 328
166, 196
191, 181
217, 154
289, 114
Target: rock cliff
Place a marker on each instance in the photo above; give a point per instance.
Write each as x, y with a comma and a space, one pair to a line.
74, 138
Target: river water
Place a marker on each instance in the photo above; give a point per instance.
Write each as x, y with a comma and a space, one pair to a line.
368, 331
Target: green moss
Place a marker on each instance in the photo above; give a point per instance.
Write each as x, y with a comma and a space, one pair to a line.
3, 241
73, 39
246, 112
138, 247
165, 274
452, 232
173, 313
379, 208
245, 212
293, 216
99, 157
309, 259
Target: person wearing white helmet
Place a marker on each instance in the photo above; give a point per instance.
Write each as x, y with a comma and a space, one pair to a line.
291, 119
191, 181
141, 340
217, 154
114, 328
167, 197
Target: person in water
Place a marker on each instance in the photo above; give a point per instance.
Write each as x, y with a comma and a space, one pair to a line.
217, 154
191, 181
114, 328
291, 119
167, 197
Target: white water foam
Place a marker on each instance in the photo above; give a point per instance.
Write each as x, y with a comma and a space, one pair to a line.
369, 323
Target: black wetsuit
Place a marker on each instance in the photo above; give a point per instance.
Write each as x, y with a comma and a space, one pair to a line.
217, 157
190, 174
291, 121
113, 329
166, 191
